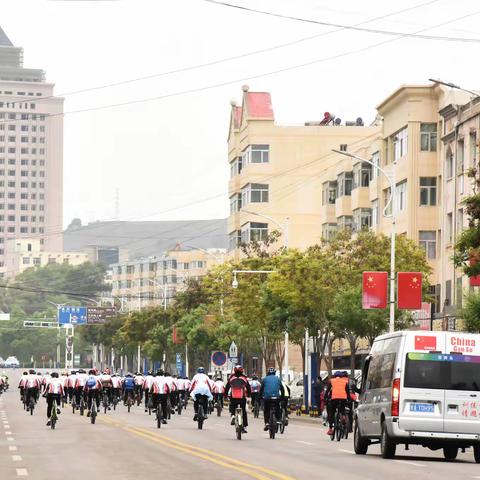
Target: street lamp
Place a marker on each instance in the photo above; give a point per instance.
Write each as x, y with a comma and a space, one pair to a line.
283, 228
391, 180
452, 85
164, 288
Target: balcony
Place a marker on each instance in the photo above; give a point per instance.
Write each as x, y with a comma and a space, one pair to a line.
360, 198
327, 213
343, 206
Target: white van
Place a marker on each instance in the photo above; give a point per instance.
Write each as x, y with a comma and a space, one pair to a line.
420, 388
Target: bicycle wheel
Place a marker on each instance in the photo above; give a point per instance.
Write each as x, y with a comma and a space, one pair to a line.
200, 417
256, 410
219, 409
129, 403
31, 406
283, 421
159, 417
273, 423
53, 419
338, 427
82, 406
93, 415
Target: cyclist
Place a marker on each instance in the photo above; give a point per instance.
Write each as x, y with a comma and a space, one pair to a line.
337, 394
32, 387
116, 386
218, 391
106, 381
53, 392
21, 386
270, 392
284, 399
239, 389
81, 379
160, 391
72, 378
172, 391
200, 391
139, 381
128, 386
181, 390
147, 385
92, 390
255, 386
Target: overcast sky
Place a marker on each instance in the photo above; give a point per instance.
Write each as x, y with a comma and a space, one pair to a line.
166, 157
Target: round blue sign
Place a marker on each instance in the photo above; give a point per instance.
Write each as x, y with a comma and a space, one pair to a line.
219, 359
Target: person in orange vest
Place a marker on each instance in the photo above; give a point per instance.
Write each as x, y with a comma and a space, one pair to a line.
337, 394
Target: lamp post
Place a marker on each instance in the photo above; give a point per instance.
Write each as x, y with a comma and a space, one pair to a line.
283, 228
391, 180
164, 288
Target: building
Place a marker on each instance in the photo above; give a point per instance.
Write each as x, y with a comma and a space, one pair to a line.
25, 253
153, 281
275, 181
31, 153
119, 241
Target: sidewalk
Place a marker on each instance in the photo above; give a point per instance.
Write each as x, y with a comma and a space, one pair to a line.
306, 419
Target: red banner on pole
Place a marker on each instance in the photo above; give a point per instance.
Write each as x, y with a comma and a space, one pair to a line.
409, 290
374, 292
475, 280
176, 339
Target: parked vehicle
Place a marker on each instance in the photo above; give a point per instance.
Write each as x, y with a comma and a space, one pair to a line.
420, 388
12, 362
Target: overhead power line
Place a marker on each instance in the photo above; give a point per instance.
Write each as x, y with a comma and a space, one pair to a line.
348, 27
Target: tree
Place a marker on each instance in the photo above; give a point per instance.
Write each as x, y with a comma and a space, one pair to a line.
471, 312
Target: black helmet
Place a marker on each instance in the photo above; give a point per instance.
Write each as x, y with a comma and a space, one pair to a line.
54, 374
271, 371
160, 373
32, 372
200, 370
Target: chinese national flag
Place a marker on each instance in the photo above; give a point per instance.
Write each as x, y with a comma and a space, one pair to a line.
475, 280
374, 292
409, 290
423, 342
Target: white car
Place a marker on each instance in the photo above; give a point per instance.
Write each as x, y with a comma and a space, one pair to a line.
12, 362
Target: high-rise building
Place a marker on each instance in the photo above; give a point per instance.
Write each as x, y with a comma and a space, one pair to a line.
31, 153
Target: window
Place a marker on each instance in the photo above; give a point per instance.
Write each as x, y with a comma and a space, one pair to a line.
362, 219
400, 144
428, 191
459, 293
234, 239
401, 194
329, 193
235, 203
386, 201
380, 371
449, 164
254, 232
375, 213
236, 166
459, 220
26, 260
254, 193
428, 137
329, 230
449, 228
428, 241
345, 222
460, 156
23, 230
362, 174
473, 148
257, 154
344, 182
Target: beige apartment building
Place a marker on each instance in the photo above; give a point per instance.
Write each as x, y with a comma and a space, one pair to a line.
154, 281
31, 154
25, 253
422, 139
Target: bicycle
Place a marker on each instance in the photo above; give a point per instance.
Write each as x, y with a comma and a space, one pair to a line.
130, 401
82, 405
239, 422
53, 416
93, 413
105, 402
158, 415
115, 401
283, 419
201, 416
256, 408
339, 430
150, 405
273, 420
31, 405
218, 406
138, 398
179, 405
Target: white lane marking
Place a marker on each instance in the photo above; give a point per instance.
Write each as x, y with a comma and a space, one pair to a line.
22, 472
10, 439
8, 433
16, 458
346, 451
12, 448
410, 463
6, 426
304, 443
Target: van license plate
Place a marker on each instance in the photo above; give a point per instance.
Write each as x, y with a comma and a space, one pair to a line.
422, 407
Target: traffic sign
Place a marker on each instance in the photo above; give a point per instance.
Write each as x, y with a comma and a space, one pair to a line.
233, 351
98, 315
72, 315
39, 324
4, 317
219, 359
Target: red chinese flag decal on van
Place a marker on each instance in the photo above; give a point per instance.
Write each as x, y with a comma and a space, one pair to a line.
425, 343
409, 290
374, 291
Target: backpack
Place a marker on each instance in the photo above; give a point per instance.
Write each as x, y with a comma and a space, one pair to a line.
91, 382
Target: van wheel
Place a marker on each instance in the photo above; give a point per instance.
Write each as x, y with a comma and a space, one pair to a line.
360, 443
476, 453
450, 452
387, 445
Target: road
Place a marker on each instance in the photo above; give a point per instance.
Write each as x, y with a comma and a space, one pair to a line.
126, 446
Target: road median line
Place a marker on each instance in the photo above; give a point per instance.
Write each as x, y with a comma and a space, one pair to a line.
209, 455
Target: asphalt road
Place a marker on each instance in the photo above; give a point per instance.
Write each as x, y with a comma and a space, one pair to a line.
127, 446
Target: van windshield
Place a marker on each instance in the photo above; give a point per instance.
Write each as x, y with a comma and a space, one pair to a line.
445, 372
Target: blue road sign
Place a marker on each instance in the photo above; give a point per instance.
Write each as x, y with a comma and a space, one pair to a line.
72, 315
219, 359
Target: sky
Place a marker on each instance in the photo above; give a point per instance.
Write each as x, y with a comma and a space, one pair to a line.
166, 158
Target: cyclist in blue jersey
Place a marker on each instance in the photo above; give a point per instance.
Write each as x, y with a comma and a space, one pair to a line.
128, 387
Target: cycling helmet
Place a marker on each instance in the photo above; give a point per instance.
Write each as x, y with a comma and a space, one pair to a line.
271, 371
25, 373
54, 374
82, 371
238, 369
344, 373
150, 372
91, 372
160, 373
337, 374
129, 374
32, 372
254, 377
200, 370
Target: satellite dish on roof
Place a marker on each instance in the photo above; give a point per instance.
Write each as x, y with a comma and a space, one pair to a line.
359, 122
338, 121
